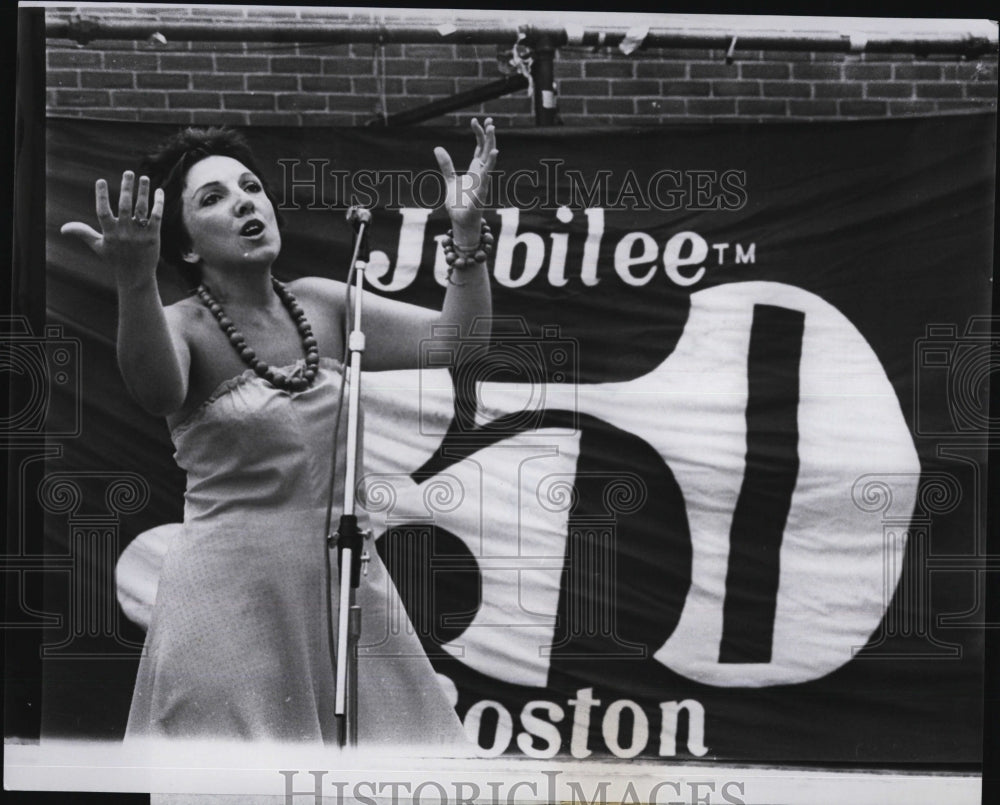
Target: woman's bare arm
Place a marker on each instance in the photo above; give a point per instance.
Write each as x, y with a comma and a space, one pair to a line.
152, 350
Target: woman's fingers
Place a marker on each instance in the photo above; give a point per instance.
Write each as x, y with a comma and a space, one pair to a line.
125, 197
104, 215
445, 163
86, 233
142, 199
157, 214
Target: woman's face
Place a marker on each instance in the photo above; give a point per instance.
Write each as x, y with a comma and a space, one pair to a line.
228, 217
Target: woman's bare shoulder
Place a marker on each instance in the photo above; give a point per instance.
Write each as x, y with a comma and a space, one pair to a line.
187, 315
318, 288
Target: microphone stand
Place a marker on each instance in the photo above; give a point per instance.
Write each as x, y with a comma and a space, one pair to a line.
348, 537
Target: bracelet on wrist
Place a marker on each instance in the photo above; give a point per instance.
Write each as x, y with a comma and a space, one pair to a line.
459, 257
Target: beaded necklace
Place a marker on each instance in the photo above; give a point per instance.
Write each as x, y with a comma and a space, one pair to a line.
249, 357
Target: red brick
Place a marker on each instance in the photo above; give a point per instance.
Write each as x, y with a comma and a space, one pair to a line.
980, 71
162, 80
863, 108
109, 114
981, 90
188, 63
355, 103
328, 119
265, 82
812, 108
406, 67
687, 88
711, 106
786, 89
300, 102
687, 54
789, 55
99, 79
712, 70
660, 69
584, 87
816, 72
727, 89
242, 64
452, 68
326, 83
611, 106
436, 52
911, 107
660, 106
249, 100
176, 116
360, 50
635, 87
765, 70
62, 78
887, 57
83, 97
564, 69
215, 117
965, 105
393, 86
218, 11
939, 90
73, 58
139, 99
296, 64
194, 100
511, 104
609, 69
917, 72
228, 82
756, 106
570, 105
135, 62
837, 89
888, 89
868, 72
429, 86
351, 67
275, 118
828, 56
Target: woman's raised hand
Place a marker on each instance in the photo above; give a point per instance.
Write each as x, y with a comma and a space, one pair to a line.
466, 194
131, 241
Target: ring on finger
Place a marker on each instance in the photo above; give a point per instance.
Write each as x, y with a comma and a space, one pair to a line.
141, 221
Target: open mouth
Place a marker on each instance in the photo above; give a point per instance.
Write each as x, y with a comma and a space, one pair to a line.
252, 228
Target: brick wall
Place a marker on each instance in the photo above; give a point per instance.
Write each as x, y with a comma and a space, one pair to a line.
306, 84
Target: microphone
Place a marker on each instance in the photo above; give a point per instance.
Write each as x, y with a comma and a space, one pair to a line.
360, 218
356, 216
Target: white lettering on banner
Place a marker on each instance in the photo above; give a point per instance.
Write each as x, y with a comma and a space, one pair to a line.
673, 261
634, 250
508, 240
835, 578
535, 727
583, 706
408, 255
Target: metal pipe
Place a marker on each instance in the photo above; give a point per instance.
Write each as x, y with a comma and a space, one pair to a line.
501, 32
460, 100
542, 77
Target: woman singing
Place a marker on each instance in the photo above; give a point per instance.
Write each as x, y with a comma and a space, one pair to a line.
247, 373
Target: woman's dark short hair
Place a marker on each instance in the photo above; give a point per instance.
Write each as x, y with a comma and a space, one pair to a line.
167, 168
